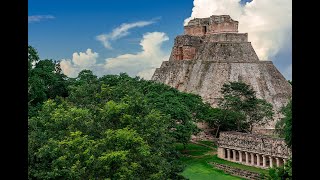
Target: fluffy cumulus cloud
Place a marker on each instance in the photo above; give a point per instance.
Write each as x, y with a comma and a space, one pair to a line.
268, 23
141, 64
121, 31
38, 18
79, 61
144, 62
86, 59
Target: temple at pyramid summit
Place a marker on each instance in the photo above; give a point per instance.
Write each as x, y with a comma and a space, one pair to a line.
212, 52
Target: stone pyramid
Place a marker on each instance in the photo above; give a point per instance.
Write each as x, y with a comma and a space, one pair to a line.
212, 52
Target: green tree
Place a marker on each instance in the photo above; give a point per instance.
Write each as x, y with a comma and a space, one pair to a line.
153, 115
182, 108
45, 81
284, 125
83, 89
118, 154
122, 104
284, 129
260, 114
282, 172
33, 58
71, 142
222, 120
179, 106
240, 98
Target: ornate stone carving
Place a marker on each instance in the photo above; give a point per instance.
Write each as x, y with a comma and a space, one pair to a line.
254, 143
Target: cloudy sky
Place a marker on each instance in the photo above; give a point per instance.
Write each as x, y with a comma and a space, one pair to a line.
109, 37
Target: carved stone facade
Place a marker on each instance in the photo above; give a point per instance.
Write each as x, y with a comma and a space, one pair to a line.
211, 25
184, 52
253, 149
201, 63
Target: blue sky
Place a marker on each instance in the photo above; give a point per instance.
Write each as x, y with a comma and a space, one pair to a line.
60, 28
77, 22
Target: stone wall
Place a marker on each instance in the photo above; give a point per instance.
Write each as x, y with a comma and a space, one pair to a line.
239, 172
206, 79
228, 37
219, 47
199, 22
197, 41
186, 40
222, 27
212, 25
184, 53
227, 52
254, 143
195, 30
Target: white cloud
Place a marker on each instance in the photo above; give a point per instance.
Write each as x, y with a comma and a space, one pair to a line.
144, 62
141, 64
68, 68
38, 18
268, 23
121, 31
80, 61
86, 59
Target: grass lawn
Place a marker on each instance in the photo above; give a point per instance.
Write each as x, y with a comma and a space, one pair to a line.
197, 159
199, 169
193, 149
208, 143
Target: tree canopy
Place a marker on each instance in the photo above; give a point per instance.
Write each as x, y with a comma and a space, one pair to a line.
114, 127
241, 99
45, 81
284, 125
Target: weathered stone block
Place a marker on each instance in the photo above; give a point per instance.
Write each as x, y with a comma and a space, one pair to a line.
211, 25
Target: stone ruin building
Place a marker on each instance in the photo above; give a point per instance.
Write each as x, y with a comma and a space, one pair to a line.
253, 150
212, 52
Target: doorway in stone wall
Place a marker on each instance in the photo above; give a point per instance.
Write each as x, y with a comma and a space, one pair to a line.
204, 29
180, 53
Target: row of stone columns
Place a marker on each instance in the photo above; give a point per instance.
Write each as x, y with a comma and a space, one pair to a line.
250, 158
